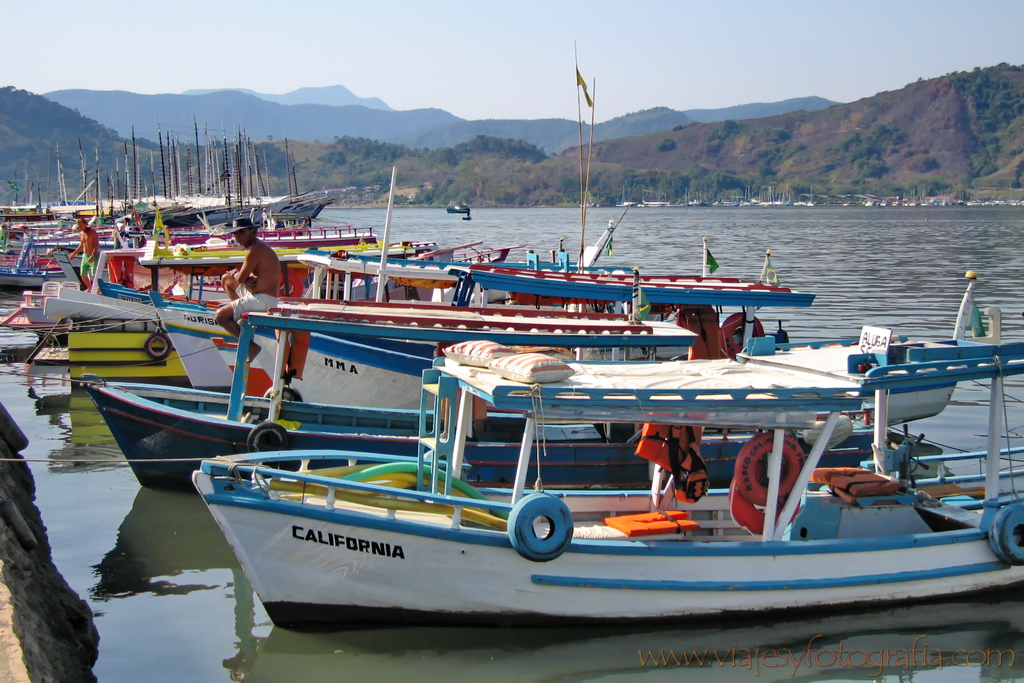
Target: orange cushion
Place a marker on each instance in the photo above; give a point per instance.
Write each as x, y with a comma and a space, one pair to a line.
651, 523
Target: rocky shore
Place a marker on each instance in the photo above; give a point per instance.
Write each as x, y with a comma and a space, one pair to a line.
47, 632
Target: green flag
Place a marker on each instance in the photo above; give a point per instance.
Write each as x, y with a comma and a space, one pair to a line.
712, 263
645, 307
770, 276
14, 185
977, 322
608, 248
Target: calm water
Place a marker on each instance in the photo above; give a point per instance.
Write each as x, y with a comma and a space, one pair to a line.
171, 604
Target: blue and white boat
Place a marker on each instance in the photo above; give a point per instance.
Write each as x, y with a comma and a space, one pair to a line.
404, 540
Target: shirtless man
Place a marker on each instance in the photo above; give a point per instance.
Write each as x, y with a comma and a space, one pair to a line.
89, 248
254, 285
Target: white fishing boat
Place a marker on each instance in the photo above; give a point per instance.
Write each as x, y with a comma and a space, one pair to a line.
405, 540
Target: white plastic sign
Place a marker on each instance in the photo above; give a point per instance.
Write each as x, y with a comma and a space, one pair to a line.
875, 340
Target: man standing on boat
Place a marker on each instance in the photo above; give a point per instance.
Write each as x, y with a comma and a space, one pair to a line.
89, 248
254, 285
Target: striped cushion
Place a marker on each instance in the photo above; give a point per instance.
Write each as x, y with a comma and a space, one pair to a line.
532, 368
476, 353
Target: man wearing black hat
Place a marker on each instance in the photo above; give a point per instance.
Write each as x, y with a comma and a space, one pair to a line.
254, 285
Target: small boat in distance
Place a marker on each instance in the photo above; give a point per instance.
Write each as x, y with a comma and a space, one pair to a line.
458, 208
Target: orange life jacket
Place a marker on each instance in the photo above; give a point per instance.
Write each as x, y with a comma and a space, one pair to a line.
850, 483
702, 321
677, 449
651, 523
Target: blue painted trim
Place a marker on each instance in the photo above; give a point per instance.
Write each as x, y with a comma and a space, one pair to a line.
775, 548
656, 294
351, 351
453, 335
796, 584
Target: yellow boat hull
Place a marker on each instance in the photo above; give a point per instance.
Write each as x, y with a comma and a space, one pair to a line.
120, 354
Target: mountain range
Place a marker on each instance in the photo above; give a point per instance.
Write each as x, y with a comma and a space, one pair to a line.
316, 114
953, 133
331, 95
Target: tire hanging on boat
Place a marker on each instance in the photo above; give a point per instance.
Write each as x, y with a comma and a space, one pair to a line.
267, 436
1006, 534
523, 535
157, 346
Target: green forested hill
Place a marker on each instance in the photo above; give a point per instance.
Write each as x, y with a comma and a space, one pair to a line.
33, 129
958, 132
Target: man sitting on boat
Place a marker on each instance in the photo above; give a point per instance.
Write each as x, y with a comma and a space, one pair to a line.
254, 285
89, 248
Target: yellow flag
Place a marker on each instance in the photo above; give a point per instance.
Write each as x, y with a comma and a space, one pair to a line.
580, 81
158, 227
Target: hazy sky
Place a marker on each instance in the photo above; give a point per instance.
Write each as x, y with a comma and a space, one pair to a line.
488, 59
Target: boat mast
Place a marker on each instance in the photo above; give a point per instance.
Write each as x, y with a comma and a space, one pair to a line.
584, 176
199, 158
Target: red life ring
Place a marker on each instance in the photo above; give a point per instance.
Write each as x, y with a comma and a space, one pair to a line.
751, 471
732, 333
743, 511
292, 285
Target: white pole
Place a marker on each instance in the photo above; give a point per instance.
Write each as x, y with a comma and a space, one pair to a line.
789, 509
881, 440
382, 279
525, 449
774, 477
461, 432
704, 262
276, 393
995, 428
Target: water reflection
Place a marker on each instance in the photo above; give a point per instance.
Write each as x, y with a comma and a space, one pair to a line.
161, 587
167, 541
987, 633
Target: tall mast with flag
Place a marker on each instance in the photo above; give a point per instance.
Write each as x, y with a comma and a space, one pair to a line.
581, 84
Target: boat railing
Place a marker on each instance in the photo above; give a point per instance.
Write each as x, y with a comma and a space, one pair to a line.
273, 482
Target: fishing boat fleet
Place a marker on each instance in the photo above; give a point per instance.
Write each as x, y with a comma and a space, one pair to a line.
449, 435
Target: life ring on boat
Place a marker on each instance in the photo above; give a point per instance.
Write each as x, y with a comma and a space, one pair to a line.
732, 333
157, 346
524, 536
751, 470
292, 285
267, 436
287, 394
745, 513
1006, 534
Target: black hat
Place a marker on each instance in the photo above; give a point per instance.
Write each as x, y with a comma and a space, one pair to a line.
241, 224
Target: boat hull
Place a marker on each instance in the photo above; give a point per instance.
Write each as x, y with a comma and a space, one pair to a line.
312, 565
154, 435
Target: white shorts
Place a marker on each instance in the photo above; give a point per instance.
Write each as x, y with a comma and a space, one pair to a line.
250, 303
